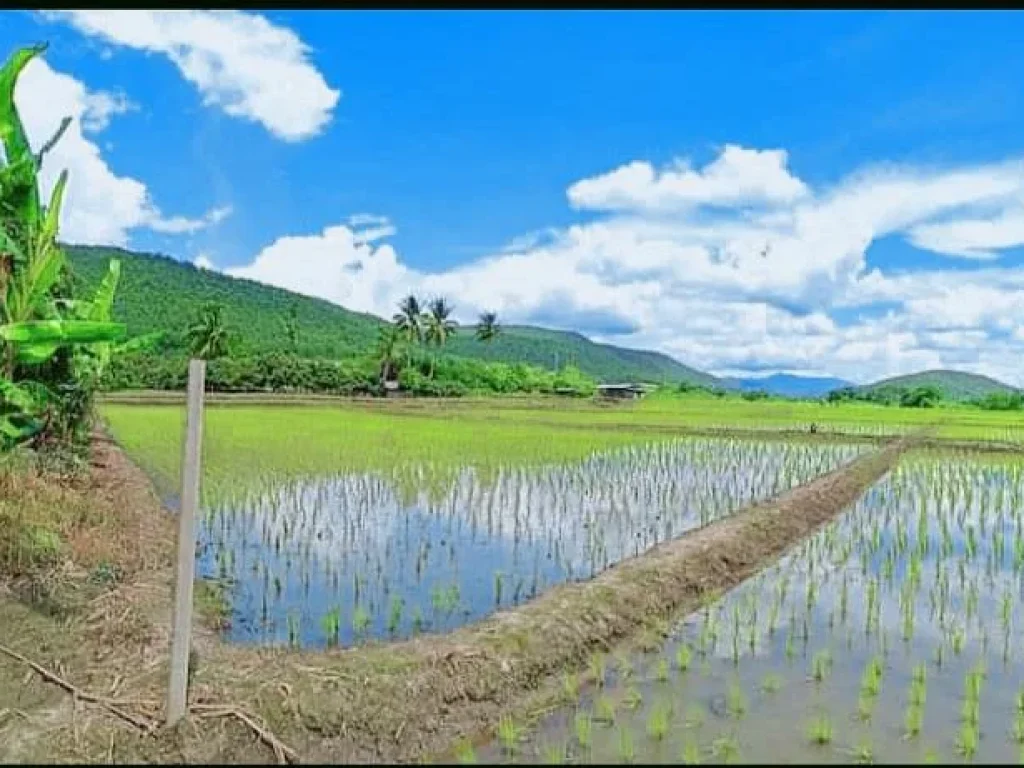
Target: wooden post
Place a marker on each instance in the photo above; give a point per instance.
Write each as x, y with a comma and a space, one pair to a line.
181, 639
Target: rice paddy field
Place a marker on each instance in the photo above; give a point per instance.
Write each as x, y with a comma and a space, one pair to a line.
890, 635
893, 635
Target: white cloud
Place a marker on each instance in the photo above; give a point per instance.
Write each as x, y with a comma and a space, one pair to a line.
367, 219
202, 261
739, 288
738, 176
334, 265
180, 225
100, 207
239, 62
101, 106
972, 238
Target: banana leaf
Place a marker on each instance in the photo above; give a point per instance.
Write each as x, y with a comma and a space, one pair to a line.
146, 341
16, 430
61, 332
24, 397
12, 131
103, 301
36, 354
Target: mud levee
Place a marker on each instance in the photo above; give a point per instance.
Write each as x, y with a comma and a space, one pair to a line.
432, 690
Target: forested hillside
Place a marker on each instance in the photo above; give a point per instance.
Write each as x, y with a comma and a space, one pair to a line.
955, 385
158, 293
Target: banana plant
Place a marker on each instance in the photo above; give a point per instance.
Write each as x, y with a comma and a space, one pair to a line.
35, 321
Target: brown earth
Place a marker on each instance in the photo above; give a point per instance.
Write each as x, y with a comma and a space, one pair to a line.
381, 702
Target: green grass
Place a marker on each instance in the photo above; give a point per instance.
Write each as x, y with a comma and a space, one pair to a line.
244, 444
247, 444
704, 411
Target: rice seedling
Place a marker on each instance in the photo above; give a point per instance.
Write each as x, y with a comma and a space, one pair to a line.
820, 665
583, 728
658, 721
509, 734
604, 710
694, 716
967, 740
691, 753
820, 729
864, 752
331, 623
683, 657
662, 671
464, 752
1018, 727
727, 748
633, 698
571, 687
598, 669
913, 720
553, 754
360, 621
627, 752
771, 683
736, 701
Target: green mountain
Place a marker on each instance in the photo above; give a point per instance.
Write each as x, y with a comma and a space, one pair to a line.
957, 385
158, 293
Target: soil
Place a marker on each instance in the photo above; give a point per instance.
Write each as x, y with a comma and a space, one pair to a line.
379, 702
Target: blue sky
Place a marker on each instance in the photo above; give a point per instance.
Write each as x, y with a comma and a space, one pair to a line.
614, 173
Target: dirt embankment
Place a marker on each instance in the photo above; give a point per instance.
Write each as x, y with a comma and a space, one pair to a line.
401, 701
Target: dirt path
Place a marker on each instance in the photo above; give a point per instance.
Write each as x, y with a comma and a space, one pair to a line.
382, 702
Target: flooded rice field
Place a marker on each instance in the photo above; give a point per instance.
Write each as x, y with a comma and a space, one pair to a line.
893, 635
345, 558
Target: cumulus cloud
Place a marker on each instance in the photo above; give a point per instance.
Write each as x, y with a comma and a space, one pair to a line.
100, 207
738, 175
722, 284
239, 62
334, 265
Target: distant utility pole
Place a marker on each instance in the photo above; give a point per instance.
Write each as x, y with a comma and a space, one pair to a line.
181, 639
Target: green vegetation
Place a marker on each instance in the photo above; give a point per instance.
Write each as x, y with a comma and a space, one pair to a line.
160, 295
309, 441
928, 388
47, 369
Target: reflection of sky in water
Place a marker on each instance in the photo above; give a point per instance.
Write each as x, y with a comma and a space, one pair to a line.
776, 725
305, 549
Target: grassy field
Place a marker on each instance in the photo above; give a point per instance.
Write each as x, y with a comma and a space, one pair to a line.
244, 444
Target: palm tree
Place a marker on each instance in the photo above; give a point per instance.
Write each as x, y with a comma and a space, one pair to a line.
208, 337
389, 343
409, 319
488, 329
439, 326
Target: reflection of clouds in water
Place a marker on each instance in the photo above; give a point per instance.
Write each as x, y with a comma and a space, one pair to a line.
607, 506
535, 526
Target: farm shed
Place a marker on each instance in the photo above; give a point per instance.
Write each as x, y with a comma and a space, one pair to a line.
621, 391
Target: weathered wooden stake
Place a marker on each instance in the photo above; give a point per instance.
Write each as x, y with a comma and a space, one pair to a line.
181, 640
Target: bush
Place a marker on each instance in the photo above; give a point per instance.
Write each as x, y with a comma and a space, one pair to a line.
284, 372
